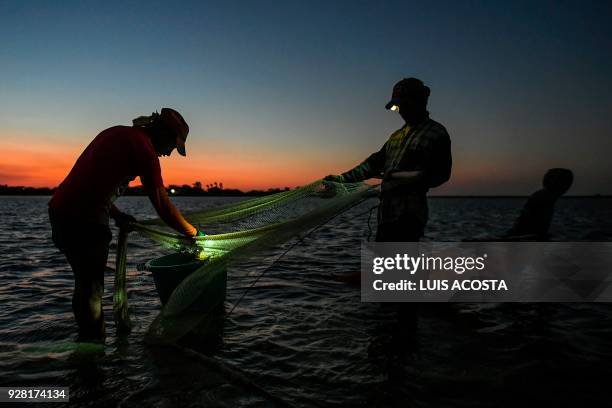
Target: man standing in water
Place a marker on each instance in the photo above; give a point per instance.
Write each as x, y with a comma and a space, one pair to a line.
416, 158
79, 210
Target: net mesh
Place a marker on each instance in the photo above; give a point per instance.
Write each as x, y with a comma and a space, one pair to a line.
238, 231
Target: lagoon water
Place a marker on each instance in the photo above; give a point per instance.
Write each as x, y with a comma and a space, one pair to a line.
300, 337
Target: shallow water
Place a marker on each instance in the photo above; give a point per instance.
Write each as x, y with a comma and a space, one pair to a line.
301, 337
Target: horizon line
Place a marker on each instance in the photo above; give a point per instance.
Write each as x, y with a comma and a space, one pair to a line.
593, 195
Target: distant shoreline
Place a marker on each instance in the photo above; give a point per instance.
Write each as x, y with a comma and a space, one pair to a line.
19, 191
173, 190
217, 190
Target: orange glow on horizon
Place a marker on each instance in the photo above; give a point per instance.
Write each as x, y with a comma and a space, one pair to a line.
35, 165
39, 163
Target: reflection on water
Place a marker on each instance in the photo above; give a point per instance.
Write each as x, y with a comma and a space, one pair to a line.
300, 336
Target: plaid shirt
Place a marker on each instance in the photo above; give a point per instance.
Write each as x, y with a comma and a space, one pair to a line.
424, 147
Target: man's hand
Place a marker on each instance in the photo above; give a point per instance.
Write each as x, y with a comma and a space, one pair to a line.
195, 233
123, 220
336, 178
192, 240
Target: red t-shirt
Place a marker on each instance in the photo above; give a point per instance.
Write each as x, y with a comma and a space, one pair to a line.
114, 158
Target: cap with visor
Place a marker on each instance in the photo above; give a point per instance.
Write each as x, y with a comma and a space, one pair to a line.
175, 123
407, 88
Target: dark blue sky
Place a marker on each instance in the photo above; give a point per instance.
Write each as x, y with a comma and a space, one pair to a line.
286, 91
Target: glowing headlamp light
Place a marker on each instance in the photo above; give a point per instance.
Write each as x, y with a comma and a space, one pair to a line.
395, 108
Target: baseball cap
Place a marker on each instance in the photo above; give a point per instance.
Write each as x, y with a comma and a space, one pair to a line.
177, 125
407, 88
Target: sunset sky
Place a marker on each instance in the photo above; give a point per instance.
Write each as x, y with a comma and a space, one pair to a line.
281, 93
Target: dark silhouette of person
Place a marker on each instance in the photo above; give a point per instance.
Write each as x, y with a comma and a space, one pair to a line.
416, 158
536, 216
79, 210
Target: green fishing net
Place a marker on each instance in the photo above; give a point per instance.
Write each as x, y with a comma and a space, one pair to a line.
237, 231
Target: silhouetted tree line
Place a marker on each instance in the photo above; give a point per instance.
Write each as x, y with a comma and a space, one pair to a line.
196, 189
215, 189
21, 190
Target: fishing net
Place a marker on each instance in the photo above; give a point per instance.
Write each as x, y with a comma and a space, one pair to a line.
238, 231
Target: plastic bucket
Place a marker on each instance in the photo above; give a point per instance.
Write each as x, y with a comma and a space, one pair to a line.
170, 270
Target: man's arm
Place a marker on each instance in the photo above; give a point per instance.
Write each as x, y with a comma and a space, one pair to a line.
438, 170
371, 167
122, 220
151, 178
114, 211
169, 213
